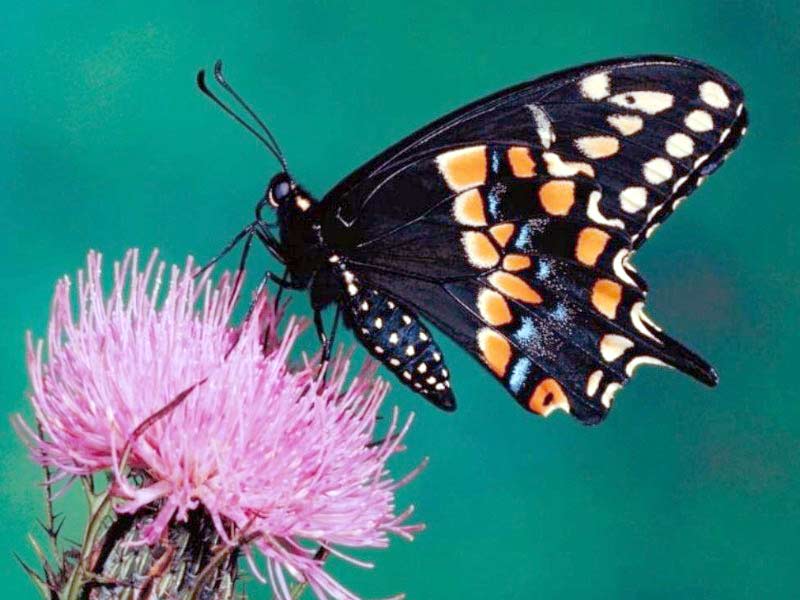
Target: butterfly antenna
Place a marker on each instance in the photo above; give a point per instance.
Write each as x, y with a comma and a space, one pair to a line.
229, 88
201, 84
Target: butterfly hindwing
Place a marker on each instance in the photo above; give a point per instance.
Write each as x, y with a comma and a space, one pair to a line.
547, 304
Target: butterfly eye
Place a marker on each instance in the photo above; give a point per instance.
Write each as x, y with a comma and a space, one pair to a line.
279, 189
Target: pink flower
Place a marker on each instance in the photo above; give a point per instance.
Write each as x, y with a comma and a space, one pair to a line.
287, 458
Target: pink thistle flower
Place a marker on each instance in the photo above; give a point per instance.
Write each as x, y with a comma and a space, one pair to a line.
273, 452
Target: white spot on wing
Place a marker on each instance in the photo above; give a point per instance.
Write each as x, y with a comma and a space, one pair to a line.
593, 212
714, 95
679, 145
648, 102
657, 170
642, 360
559, 168
638, 318
544, 127
633, 199
680, 181
626, 124
619, 267
608, 394
699, 120
595, 87
613, 346
593, 383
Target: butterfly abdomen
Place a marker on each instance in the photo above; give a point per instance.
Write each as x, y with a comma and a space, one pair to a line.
394, 335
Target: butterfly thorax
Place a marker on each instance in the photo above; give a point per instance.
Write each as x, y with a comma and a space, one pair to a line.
302, 245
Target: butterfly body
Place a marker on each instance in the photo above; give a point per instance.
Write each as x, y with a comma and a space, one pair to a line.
510, 224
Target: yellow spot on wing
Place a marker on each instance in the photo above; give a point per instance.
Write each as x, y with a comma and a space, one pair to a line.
522, 165
593, 382
606, 296
494, 308
559, 168
626, 124
557, 196
591, 243
514, 287
502, 233
495, 350
481, 253
612, 346
598, 146
468, 208
547, 397
463, 168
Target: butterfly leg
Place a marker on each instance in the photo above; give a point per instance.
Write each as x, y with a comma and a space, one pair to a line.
325, 339
282, 282
247, 231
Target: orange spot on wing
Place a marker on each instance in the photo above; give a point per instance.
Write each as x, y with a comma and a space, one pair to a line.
514, 287
502, 233
495, 350
516, 262
480, 250
557, 196
468, 208
547, 397
463, 168
591, 243
606, 296
494, 308
522, 165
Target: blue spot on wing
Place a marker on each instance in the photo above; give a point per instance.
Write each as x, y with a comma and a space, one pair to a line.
519, 374
494, 204
495, 162
523, 238
527, 332
544, 269
560, 313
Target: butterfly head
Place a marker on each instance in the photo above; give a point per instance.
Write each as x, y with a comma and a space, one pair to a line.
284, 194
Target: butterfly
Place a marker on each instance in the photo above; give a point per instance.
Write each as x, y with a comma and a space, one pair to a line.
510, 225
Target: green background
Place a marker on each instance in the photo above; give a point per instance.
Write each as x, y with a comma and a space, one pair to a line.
683, 492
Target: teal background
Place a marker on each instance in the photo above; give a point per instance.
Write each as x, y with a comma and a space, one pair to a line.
683, 492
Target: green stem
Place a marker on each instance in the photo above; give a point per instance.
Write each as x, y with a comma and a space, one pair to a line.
99, 507
52, 533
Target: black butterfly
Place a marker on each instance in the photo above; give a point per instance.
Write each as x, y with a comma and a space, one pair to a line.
510, 224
